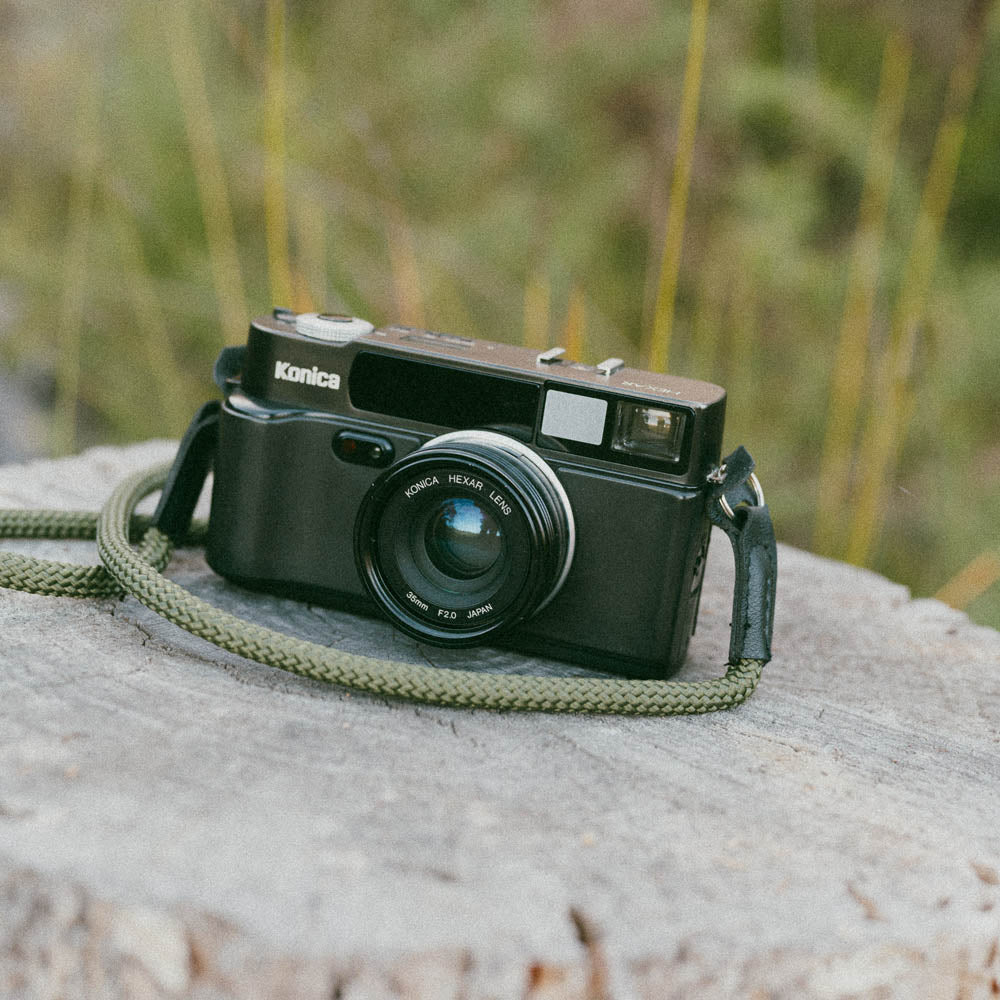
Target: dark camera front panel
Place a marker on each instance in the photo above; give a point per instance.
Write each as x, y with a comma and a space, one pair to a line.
284, 505
284, 508
629, 601
435, 394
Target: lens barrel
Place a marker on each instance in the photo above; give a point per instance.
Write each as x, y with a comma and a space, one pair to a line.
464, 538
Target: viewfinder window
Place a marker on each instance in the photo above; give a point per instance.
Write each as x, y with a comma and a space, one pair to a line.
649, 432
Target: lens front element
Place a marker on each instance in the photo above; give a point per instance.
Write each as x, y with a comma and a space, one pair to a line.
464, 537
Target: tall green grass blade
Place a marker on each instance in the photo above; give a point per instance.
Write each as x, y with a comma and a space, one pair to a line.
972, 581
658, 352
405, 271
74, 281
310, 240
275, 206
167, 383
210, 175
850, 363
537, 304
574, 332
887, 424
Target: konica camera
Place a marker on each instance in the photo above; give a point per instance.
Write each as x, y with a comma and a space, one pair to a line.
471, 492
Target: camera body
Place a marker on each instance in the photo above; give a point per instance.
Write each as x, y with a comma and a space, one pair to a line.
474, 492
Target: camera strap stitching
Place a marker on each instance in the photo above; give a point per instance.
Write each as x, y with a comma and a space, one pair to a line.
138, 571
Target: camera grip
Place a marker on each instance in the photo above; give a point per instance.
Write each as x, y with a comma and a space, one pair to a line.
751, 534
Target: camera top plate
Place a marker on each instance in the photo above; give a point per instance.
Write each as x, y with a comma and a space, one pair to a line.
550, 365
430, 381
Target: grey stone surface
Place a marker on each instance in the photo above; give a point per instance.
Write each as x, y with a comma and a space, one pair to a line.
177, 821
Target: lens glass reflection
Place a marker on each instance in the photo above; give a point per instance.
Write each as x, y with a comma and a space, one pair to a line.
463, 540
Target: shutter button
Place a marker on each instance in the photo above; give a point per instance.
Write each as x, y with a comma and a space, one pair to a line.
332, 328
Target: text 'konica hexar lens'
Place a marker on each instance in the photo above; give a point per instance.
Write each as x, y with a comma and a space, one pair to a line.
464, 538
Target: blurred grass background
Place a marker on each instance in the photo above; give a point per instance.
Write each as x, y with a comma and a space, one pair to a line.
796, 199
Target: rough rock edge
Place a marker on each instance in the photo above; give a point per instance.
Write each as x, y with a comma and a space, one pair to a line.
59, 940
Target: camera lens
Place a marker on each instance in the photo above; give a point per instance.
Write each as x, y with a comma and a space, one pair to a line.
464, 537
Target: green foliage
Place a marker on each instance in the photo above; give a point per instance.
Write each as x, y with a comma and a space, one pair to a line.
495, 143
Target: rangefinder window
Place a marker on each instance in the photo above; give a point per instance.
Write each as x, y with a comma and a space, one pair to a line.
433, 394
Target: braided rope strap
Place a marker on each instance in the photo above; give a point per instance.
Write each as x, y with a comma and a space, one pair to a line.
137, 571
61, 579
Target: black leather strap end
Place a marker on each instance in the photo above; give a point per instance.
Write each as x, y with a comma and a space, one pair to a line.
751, 534
756, 558
188, 473
735, 483
228, 366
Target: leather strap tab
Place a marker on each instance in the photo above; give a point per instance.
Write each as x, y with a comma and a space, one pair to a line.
188, 473
228, 366
751, 534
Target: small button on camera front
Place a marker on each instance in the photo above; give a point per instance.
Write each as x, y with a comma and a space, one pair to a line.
363, 449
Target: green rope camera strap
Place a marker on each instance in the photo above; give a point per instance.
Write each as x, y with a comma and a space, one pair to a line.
137, 570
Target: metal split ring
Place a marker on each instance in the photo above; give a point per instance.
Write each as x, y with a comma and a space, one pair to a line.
758, 494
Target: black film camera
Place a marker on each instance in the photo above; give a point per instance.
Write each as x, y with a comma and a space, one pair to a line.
473, 492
